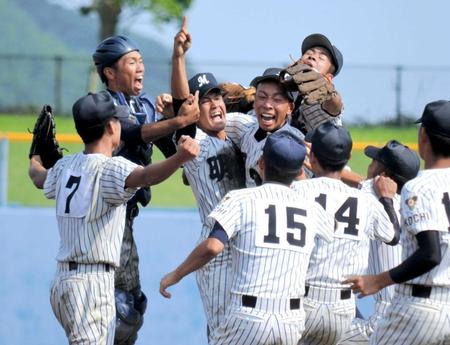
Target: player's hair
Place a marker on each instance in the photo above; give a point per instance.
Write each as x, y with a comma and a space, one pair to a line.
440, 145
94, 133
330, 167
276, 174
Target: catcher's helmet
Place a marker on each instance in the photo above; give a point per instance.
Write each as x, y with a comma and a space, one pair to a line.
110, 50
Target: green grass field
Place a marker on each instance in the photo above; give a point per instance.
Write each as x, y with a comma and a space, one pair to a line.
171, 193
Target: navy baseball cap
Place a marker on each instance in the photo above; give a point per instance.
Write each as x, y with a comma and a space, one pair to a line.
398, 158
436, 118
272, 73
284, 151
204, 83
331, 143
95, 108
319, 40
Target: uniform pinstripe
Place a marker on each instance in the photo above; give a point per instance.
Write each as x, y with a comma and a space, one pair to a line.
359, 217
271, 234
90, 208
381, 258
425, 205
217, 169
251, 145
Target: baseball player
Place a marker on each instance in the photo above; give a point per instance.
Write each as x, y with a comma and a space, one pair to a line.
329, 307
218, 169
401, 164
271, 233
273, 105
120, 66
420, 309
91, 190
312, 77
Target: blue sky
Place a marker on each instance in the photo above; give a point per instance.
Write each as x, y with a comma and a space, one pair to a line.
237, 40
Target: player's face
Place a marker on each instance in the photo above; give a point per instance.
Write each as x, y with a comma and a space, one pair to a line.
374, 169
318, 58
271, 105
128, 74
212, 113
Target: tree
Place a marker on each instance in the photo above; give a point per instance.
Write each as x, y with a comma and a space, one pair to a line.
109, 11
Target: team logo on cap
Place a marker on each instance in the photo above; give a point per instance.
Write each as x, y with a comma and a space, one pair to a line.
202, 80
411, 202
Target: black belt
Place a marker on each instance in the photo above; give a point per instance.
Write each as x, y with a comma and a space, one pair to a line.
250, 301
420, 291
73, 266
345, 294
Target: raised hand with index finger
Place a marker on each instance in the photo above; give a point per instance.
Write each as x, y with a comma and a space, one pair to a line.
183, 40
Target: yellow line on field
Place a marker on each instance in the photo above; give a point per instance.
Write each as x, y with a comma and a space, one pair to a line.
26, 137
74, 138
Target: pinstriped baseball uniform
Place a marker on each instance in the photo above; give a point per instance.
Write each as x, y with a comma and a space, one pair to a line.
381, 258
218, 169
90, 208
251, 145
425, 205
271, 234
330, 307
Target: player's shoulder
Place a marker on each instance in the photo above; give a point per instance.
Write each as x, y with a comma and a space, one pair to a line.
321, 184
292, 130
430, 179
236, 118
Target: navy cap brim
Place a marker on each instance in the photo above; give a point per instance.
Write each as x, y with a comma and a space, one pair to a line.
215, 88
372, 152
259, 79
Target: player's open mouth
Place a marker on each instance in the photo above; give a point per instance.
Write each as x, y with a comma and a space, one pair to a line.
267, 118
216, 116
139, 82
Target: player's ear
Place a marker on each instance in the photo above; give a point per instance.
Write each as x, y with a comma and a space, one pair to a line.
109, 73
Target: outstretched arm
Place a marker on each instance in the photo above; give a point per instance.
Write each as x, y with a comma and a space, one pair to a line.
153, 174
424, 259
37, 172
200, 256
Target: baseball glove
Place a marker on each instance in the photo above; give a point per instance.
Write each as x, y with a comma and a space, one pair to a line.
312, 86
44, 141
237, 98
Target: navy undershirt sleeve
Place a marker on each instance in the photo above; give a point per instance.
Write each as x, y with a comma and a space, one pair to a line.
424, 259
388, 205
219, 233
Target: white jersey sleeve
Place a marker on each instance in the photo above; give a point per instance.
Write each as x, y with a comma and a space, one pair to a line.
381, 227
50, 184
420, 211
112, 181
229, 213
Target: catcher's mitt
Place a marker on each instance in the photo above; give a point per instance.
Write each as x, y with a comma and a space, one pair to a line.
237, 98
44, 142
312, 86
